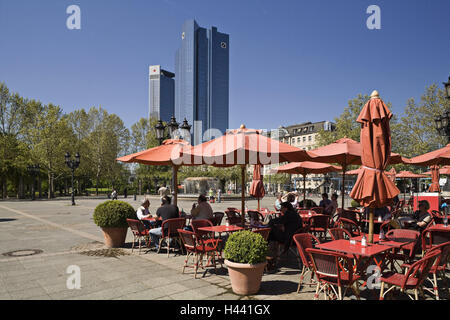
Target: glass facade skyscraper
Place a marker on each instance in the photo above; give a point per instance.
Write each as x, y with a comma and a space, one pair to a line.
202, 77
161, 93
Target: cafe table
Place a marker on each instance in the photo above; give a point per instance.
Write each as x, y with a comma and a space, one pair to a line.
362, 254
221, 229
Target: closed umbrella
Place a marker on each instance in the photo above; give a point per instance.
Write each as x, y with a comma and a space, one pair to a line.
373, 189
346, 152
257, 186
434, 187
304, 168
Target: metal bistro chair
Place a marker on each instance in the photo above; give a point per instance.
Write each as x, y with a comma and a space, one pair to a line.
233, 217
333, 270
319, 225
256, 216
139, 233
217, 218
412, 279
172, 226
304, 241
196, 247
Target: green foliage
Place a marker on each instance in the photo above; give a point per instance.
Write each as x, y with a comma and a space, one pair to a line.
113, 214
246, 247
354, 204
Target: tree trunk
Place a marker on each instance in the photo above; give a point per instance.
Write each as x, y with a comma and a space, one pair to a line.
49, 176
40, 186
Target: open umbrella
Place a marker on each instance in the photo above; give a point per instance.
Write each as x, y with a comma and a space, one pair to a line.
373, 189
163, 155
440, 157
242, 147
408, 175
346, 152
304, 168
257, 186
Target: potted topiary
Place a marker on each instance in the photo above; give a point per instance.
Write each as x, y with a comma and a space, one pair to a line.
112, 217
245, 256
354, 204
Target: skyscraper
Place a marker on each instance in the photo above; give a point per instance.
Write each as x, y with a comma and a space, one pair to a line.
161, 93
202, 81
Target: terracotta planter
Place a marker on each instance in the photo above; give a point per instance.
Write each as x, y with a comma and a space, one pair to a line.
114, 237
245, 278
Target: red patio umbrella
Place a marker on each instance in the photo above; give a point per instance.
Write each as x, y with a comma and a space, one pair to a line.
440, 157
445, 170
304, 168
373, 189
242, 147
346, 152
257, 186
163, 155
434, 187
408, 175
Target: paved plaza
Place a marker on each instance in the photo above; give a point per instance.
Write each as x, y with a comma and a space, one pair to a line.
62, 236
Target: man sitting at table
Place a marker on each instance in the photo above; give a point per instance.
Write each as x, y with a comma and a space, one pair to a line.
325, 201
166, 211
332, 207
143, 213
284, 227
202, 209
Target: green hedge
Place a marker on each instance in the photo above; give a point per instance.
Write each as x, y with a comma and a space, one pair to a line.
246, 247
113, 214
354, 204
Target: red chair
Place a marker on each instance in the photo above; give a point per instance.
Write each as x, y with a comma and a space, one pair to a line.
438, 268
262, 231
139, 233
332, 270
172, 232
351, 226
207, 236
412, 279
304, 241
256, 216
196, 247
407, 252
319, 225
317, 209
339, 233
217, 218
431, 238
233, 217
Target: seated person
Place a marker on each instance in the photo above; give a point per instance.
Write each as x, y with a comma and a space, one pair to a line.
292, 198
325, 201
166, 211
202, 209
143, 213
422, 216
332, 207
278, 202
290, 222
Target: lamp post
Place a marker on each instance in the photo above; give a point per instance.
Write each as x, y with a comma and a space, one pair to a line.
159, 128
443, 122
72, 164
34, 171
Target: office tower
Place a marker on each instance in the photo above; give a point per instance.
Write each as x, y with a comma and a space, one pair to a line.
161, 93
202, 81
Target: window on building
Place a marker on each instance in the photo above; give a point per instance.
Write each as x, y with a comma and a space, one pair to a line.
304, 139
309, 138
311, 129
298, 140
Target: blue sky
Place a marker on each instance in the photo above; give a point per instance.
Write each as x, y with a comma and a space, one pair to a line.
290, 61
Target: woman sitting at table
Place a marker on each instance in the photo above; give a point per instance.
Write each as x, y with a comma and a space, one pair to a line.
284, 227
202, 209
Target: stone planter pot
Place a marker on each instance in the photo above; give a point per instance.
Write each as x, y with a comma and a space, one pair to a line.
245, 278
114, 237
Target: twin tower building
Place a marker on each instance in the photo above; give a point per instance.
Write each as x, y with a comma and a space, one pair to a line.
198, 90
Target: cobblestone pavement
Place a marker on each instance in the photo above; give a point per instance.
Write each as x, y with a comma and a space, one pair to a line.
61, 235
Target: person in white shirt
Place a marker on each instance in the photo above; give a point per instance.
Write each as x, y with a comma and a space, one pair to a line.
143, 213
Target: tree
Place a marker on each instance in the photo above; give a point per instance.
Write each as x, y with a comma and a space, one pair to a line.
415, 133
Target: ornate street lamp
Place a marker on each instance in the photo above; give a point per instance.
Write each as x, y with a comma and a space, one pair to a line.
34, 171
72, 164
173, 127
186, 130
160, 127
443, 122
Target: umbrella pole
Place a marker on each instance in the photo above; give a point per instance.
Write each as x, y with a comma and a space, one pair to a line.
175, 184
344, 168
304, 190
243, 195
371, 216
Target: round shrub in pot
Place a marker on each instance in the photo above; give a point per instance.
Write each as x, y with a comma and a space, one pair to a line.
111, 216
245, 256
